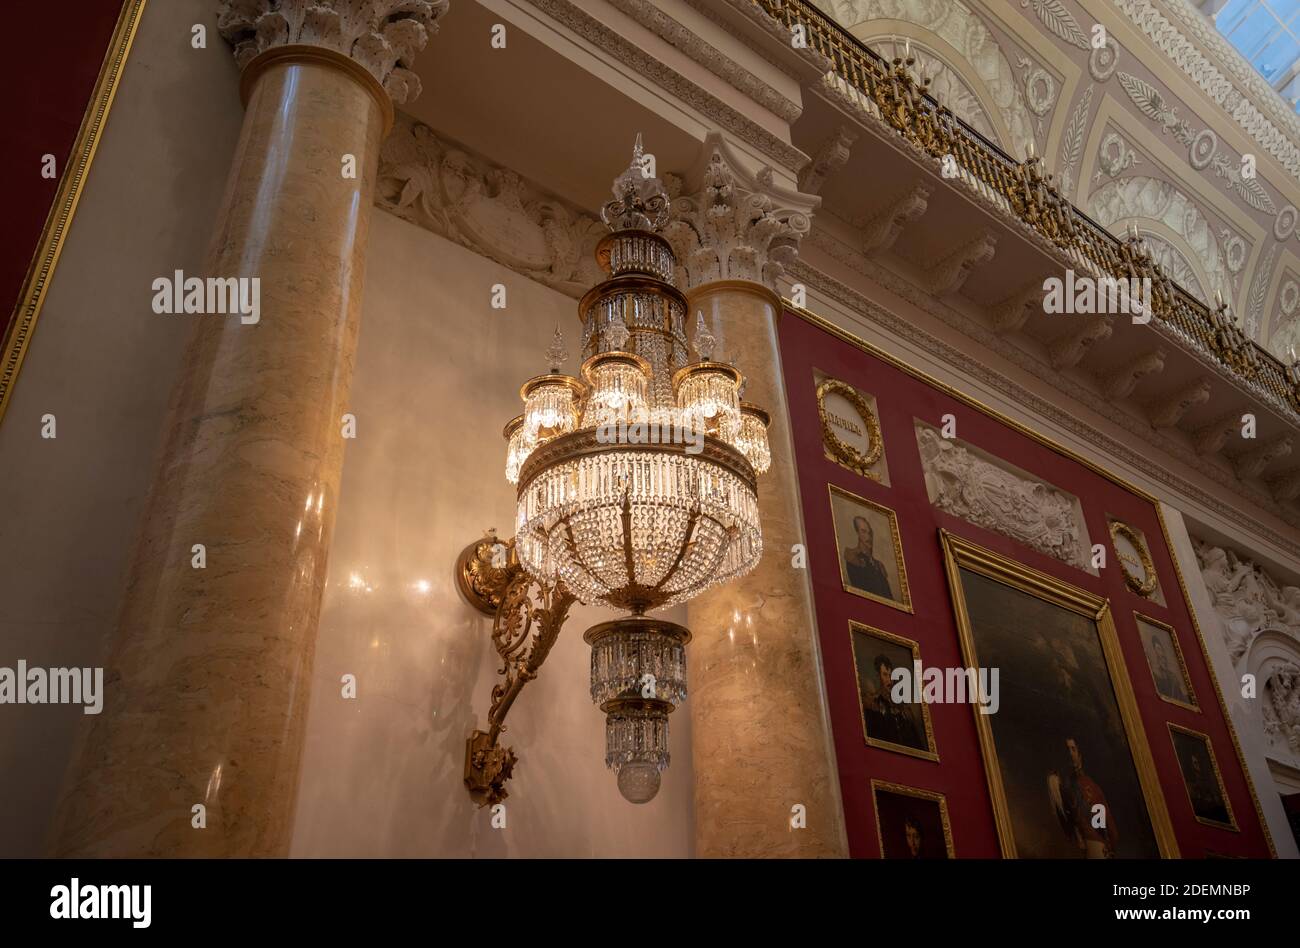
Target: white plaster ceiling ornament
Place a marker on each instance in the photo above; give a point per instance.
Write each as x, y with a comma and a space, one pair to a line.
1189, 56
1259, 291
1201, 151
1287, 298
1234, 251
1072, 142
734, 225
1285, 341
1039, 88
1057, 18
1285, 223
1114, 156
1040, 91
381, 35
1202, 147
1103, 60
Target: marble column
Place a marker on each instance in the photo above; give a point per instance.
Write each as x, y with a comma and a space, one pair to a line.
760, 733
206, 687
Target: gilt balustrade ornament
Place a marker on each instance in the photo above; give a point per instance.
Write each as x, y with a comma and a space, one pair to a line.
906, 105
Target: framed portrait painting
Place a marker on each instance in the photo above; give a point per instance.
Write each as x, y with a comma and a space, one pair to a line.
869, 550
1202, 778
1165, 659
1069, 769
903, 727
911, 823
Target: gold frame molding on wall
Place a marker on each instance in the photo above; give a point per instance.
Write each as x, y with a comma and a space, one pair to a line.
31, 298
931, 751
938, 385
904, 602
933, 796
1230, 826
959, 554
1138, 619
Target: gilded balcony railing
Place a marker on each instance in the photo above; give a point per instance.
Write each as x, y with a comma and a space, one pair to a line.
889, 90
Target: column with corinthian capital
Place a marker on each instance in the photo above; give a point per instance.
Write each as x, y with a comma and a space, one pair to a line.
759, 730
207, 684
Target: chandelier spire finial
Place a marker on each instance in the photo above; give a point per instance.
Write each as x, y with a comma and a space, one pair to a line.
704, 340
640, 201
556, 354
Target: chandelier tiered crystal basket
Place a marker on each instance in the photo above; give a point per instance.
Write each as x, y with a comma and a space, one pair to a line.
637, 483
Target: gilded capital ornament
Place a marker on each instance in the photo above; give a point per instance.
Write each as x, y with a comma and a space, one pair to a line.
382, 36
732, 224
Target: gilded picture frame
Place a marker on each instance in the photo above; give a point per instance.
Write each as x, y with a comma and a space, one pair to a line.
860, 629
843, 504
1193, 704
931, 796
836, 449
835, 331
960, 554
1203, 740
16, 337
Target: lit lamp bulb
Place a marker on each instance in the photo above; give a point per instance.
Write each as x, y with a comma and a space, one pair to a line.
708, 393
617, 382
752, 439
550, 407
517, 448
551, 400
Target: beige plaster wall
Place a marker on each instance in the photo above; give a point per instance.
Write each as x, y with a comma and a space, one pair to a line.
438, 374
102, 362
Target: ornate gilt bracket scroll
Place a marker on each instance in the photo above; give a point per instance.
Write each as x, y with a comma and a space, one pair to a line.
527, 618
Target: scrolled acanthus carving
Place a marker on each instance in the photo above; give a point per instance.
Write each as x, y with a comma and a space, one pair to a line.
382, 35
491, 210
1281, 707
1247, 598
962, 483
734, 225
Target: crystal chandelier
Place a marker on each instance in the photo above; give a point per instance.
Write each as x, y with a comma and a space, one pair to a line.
637, 483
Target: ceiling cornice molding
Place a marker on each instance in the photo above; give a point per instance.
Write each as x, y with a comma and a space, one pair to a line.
1259, 111
691, 44
1043, 371
601, 36
960, 361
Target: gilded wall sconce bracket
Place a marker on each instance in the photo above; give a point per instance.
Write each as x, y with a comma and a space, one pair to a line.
527, 618
484, 570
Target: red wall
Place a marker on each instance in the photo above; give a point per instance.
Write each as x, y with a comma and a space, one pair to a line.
48, 75
959, 773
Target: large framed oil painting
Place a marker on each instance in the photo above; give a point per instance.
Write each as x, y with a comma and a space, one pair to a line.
1069, 769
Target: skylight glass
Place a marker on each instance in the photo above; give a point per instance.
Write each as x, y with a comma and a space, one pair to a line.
1267, 34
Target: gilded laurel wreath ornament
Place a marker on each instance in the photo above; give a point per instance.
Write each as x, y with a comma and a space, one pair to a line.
836, 448
1145, 584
